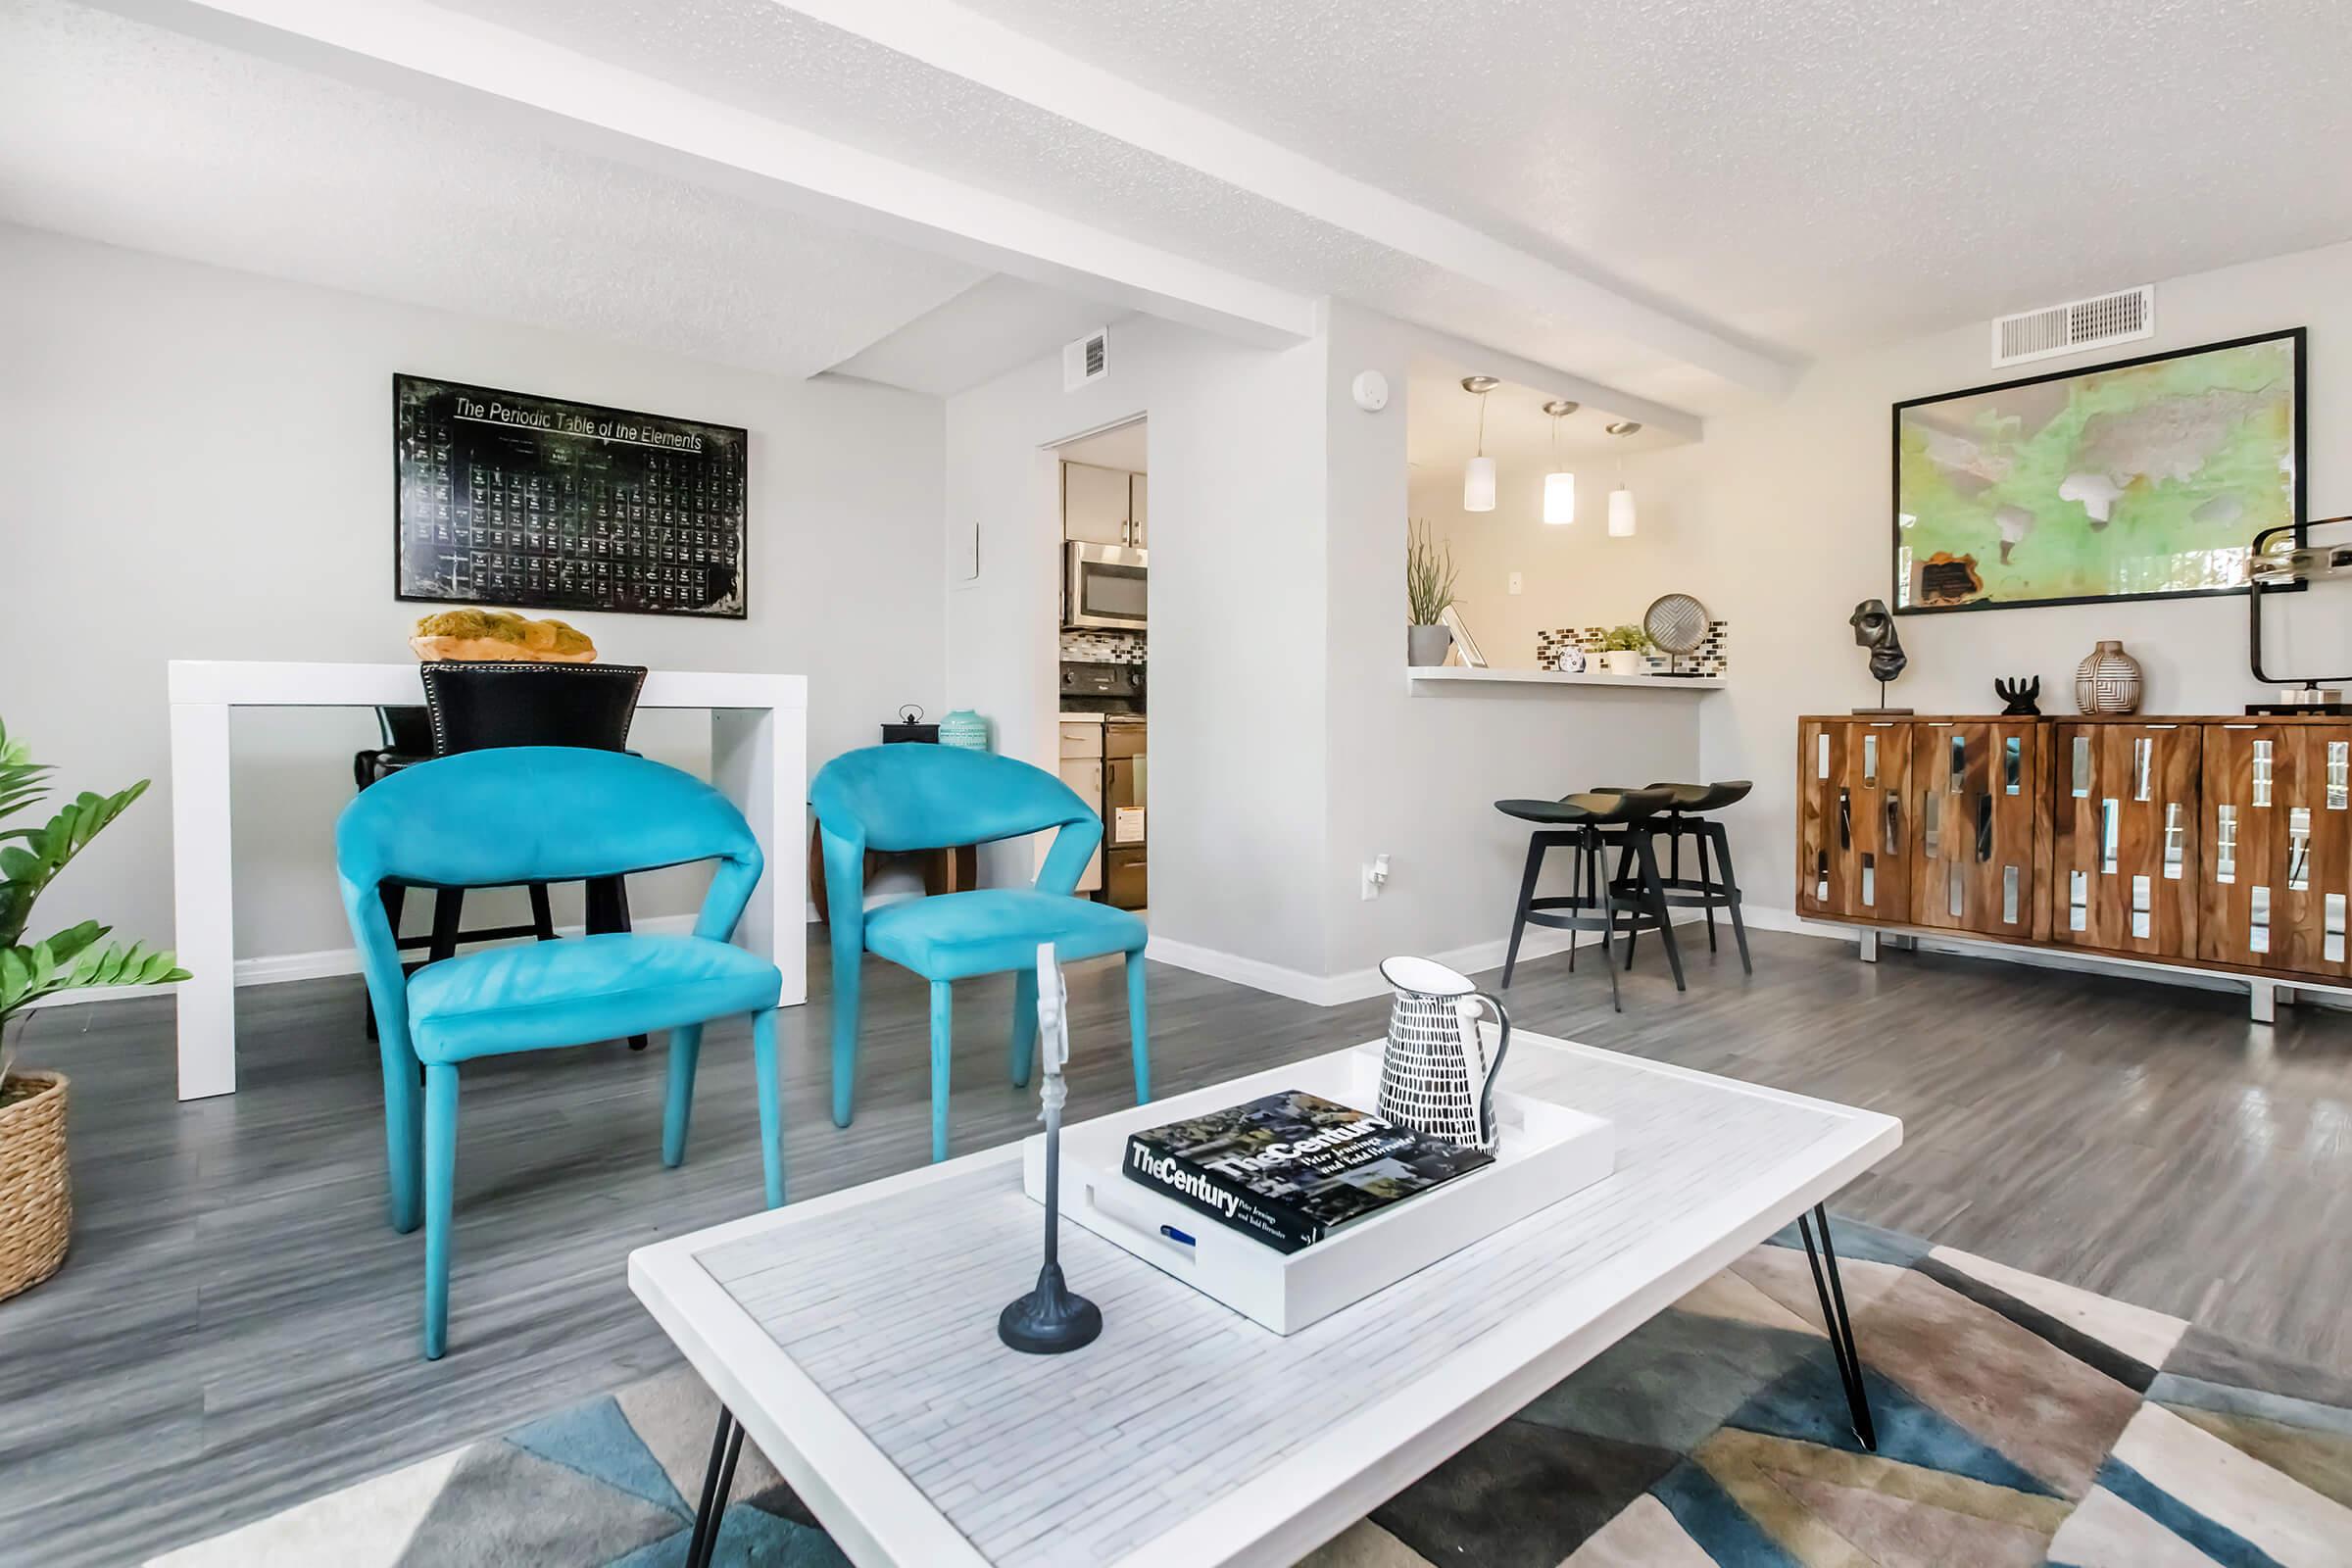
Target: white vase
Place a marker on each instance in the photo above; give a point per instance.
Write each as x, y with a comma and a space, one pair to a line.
1624, 660
1426, 646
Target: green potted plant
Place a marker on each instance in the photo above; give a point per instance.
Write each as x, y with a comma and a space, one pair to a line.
1429, 574
36, 1207
1622, 648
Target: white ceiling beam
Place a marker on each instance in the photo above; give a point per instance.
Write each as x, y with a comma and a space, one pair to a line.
946, 36
420, 50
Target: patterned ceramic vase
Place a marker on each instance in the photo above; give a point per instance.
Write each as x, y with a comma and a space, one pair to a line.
2107, 681
964, 728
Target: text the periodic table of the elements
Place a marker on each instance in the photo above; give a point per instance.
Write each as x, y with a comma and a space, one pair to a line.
515, 500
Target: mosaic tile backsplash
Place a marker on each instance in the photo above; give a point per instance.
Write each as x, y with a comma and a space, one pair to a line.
1097, 647
1711, 658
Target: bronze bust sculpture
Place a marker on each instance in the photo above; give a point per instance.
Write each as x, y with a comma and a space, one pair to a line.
1874, 629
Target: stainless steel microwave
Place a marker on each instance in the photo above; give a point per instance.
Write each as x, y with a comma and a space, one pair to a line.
1102, 585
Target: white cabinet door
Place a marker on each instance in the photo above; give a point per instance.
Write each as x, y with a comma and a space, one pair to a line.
1085, 775
1135, 513
1093, 503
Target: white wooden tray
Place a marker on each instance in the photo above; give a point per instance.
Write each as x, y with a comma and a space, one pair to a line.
1547, 1151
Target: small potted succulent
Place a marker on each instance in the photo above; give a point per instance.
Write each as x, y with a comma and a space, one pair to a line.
37, 1207
1429, 577
1622, 648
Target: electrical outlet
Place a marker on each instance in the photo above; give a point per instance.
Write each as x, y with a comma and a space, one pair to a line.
1514, 582
1376, 876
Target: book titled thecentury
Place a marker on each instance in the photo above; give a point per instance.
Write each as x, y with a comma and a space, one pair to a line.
1291, 1168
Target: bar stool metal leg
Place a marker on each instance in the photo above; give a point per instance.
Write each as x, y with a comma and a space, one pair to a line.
1576, 897
1608, 917
1730, 892
1526, 893
1706, 881
1656, 896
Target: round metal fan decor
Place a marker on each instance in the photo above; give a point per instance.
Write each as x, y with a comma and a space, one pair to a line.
1675, 625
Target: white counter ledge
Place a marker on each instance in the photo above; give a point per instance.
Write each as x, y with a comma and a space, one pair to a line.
1419, 678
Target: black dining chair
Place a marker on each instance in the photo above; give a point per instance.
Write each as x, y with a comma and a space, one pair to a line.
471, 706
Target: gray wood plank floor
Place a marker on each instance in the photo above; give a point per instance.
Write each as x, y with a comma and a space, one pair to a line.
236, 1327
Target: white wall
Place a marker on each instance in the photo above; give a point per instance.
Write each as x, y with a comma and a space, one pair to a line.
1236, 685
196, 463
1416, 776
1792, 504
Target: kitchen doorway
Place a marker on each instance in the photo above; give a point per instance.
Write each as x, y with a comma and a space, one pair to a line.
1103, 648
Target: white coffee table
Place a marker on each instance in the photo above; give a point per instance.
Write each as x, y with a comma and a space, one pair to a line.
853, 1337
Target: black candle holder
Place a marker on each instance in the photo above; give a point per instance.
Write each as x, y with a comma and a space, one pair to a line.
2022, 695
1051, 1319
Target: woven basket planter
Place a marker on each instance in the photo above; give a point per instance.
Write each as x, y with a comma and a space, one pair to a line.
36, 1200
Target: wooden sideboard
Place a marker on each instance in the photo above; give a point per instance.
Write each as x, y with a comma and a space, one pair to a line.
2212, 843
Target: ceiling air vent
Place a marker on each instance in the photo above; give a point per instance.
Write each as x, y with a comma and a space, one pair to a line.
2074, 326
1085, 359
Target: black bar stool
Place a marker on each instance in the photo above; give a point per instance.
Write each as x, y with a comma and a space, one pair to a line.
1717, 885
1592, 823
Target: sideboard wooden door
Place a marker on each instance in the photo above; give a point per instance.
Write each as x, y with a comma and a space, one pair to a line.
1852, 858
2276, 867
1973, 791
2124, 837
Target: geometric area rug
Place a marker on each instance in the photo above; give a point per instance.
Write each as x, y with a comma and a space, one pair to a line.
2020, 1421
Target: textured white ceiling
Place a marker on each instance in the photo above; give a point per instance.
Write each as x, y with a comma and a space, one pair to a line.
131, 135
1814, 174
1808, 176
762, 56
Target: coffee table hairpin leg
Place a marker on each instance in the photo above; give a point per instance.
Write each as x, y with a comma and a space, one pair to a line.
719, 1478
1840, 1324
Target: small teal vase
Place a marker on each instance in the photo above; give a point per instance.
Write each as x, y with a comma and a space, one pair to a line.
964, 728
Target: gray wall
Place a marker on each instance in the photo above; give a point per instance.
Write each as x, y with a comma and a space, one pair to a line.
196, 463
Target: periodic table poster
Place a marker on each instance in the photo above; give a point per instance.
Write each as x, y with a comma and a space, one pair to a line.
511, 499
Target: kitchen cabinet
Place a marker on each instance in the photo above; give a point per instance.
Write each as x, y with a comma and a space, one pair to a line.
1137, 510
2277, 862
1096, 504
1973, 789
2124, 837
1082, 770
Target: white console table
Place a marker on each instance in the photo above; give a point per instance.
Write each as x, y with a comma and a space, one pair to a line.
759, 757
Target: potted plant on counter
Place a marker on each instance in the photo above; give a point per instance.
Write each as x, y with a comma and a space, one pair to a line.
1622, 648
37, 1207
1429, 574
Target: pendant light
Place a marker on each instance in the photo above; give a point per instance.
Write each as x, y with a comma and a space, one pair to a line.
1478, 478
1559, 485
1621, 499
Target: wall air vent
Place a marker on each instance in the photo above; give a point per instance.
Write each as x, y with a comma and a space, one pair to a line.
1085, 359
2075, 326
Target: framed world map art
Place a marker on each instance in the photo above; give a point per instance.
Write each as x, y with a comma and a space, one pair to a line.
2143, 480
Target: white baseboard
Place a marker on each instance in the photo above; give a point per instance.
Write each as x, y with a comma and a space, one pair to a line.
1353, 985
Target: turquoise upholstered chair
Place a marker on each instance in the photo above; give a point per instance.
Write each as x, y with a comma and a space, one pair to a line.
544, 813
918, 797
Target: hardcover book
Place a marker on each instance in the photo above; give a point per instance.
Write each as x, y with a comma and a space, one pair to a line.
1291, 1168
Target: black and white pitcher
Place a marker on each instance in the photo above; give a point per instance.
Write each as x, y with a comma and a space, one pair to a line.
1435, 1076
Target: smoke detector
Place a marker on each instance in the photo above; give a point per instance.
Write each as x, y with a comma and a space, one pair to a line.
2076, 325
